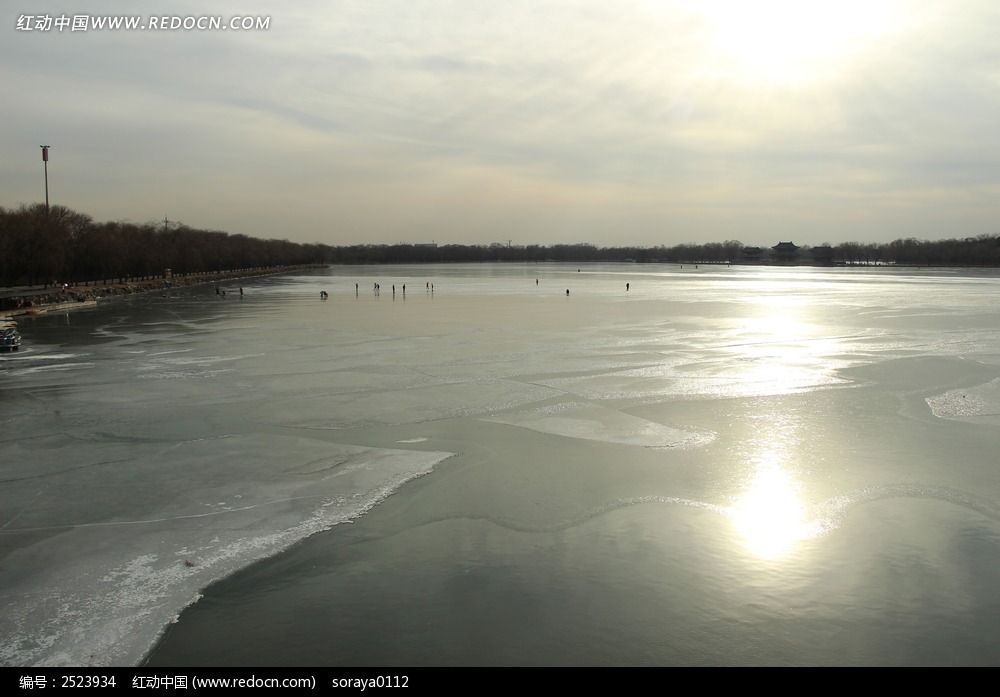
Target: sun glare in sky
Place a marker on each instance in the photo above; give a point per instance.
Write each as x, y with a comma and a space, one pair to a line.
645, 122
791, 41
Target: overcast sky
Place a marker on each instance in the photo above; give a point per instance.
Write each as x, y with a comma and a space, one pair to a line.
628, 122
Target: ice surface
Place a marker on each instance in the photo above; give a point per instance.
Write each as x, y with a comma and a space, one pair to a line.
414, 405
156, 431
107, 572
594, 422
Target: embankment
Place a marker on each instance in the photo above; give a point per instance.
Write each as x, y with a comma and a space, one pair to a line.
27, 301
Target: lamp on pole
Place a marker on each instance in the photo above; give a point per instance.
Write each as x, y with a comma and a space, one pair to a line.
45, 161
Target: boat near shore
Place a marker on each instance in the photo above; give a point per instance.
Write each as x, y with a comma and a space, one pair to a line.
10, 338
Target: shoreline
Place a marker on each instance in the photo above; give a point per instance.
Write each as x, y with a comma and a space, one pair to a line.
79, 297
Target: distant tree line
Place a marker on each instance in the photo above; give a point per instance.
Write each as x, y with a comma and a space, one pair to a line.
426, 253
973, 251
62, 245
38, 247
983, 250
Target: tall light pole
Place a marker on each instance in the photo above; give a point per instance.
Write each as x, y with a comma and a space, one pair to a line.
45, 161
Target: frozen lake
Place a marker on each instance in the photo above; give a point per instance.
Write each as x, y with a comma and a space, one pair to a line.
719, 466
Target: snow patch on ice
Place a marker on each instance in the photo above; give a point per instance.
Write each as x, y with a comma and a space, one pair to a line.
593, 422
979, 404
103, 590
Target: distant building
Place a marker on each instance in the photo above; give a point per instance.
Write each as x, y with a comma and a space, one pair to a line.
785, 253
751, 255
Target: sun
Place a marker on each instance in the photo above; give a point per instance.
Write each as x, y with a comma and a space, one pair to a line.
790, 42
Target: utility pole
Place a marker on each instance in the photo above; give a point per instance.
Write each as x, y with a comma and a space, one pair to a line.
45, 161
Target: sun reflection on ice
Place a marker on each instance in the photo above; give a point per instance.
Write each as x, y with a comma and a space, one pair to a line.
779, 346
769, 515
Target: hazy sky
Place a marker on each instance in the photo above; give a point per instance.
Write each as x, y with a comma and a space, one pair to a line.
627, 122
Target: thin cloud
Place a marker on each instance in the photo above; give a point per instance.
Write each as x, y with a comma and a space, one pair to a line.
621, 123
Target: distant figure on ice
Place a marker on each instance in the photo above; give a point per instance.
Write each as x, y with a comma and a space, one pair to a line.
536, 281
355, 289
323, 295
217, 291
626, 287
404, 289
567, 292
241, 291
